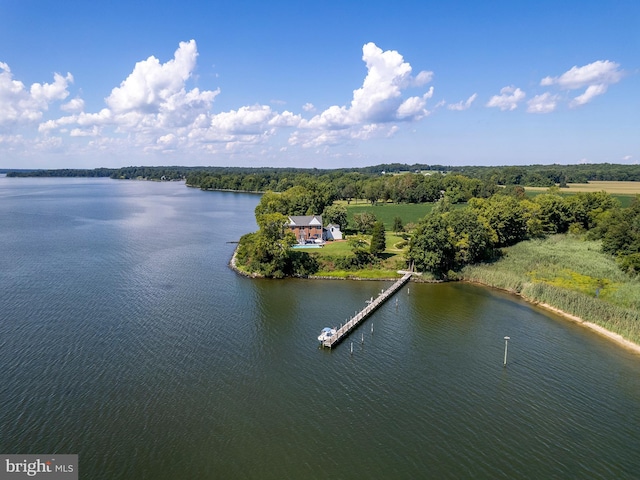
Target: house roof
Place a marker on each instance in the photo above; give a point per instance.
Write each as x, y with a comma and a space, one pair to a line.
305, 221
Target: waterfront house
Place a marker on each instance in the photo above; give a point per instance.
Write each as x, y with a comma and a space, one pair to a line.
306, 228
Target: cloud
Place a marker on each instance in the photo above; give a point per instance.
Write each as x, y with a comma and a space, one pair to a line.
153, 86
544, 103
414, 108
74, 105
588, 95
378, 102
19, 105
600, 72
154, 110
508, 99
596, 77
463, 105
150, 103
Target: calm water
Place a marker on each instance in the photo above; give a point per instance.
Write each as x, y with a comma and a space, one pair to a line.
125, 338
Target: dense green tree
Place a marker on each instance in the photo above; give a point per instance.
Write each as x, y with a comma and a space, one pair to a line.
584, 208
397, 224
469, 236
378, 239
619, 230
364, 222
450, 240
374, 191
554, 213
272, 202
443, 205
430, 247
336, 214
505, 216
268, 251
310, 199
357, 243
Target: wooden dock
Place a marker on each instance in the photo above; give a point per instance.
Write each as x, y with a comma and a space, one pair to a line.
353, 322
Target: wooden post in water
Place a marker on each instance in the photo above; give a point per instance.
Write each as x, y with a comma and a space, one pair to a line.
506, 341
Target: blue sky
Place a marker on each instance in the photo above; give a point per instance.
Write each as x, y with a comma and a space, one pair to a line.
318, 84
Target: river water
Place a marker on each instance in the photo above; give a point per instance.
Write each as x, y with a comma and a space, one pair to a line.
126, 339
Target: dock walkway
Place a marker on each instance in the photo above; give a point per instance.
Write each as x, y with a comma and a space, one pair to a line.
353, 322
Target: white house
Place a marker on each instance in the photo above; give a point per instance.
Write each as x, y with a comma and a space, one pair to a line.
332, 232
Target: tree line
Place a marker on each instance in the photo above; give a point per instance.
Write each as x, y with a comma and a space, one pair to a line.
446, 239
262, 179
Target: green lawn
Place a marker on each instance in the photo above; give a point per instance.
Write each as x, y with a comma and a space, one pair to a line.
386, 212
392, 259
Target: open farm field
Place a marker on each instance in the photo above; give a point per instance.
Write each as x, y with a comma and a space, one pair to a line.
386, 212
614, 188
624, 192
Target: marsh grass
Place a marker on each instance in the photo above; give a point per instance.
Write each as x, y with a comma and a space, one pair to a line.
570, 274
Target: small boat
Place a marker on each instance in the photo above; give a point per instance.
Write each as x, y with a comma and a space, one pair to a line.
326, 334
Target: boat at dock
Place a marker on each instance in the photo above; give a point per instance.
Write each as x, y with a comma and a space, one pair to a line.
326, 334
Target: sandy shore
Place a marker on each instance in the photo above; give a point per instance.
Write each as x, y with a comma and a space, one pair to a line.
619, 339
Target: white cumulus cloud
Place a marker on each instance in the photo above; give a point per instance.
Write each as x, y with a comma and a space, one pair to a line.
155, 110
508, 99
596, 77
544, 103
74, 105
19, 105
463, 105
378, 102
153, 85
150, 103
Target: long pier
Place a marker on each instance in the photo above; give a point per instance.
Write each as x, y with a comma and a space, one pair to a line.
353, 322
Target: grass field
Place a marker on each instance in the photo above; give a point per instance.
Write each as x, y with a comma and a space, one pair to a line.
392, 259
386, 212
571, 274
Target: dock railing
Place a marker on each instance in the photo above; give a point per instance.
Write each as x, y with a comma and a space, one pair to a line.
354, 321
